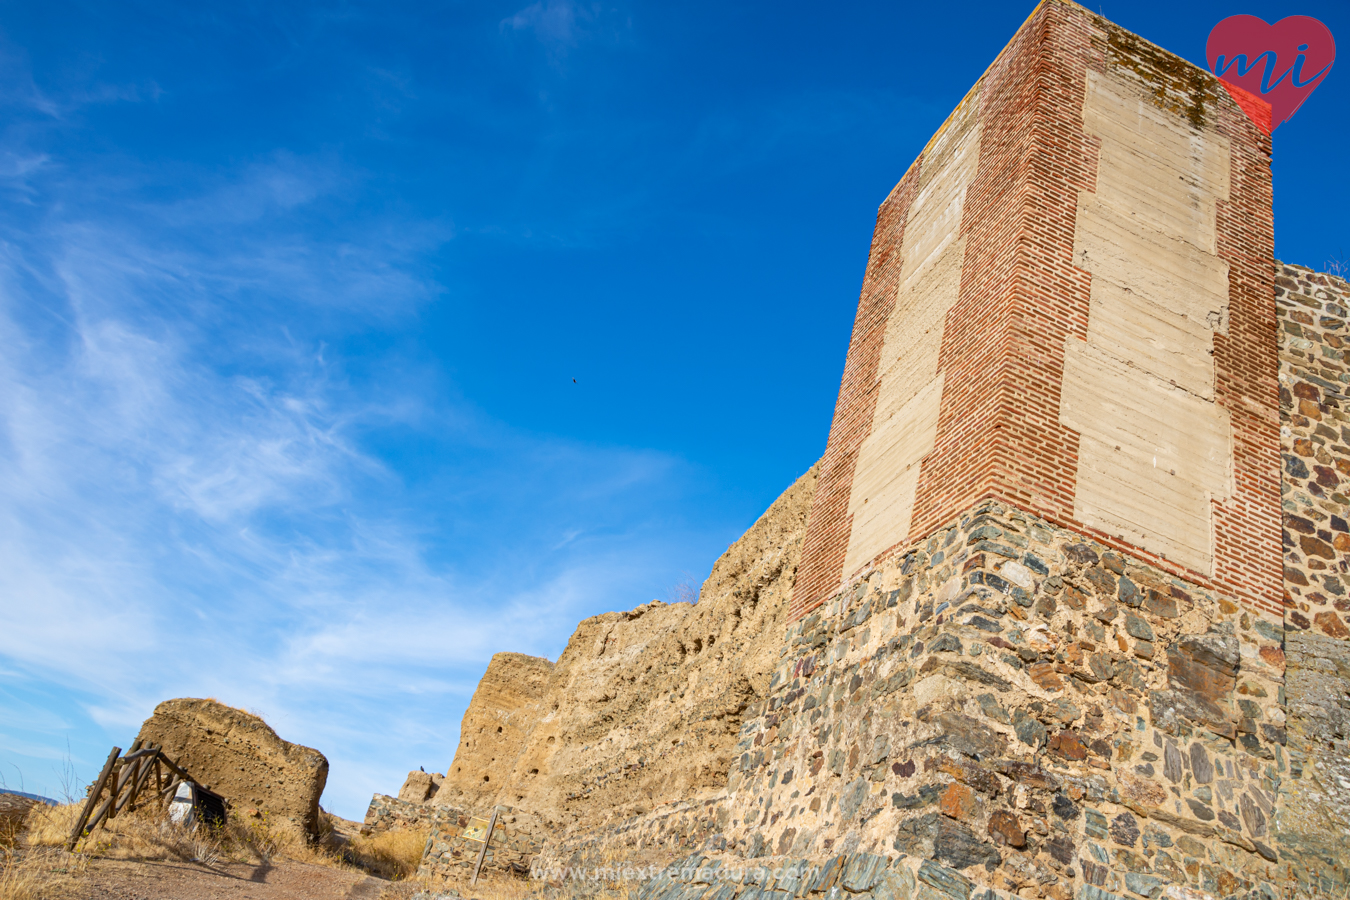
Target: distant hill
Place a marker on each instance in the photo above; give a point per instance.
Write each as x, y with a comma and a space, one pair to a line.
37, 797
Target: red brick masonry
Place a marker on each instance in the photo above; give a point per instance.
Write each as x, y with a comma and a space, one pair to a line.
999, 432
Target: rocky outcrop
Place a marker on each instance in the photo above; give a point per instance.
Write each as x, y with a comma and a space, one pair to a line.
13, 811
420, 786
642, 707
237, 755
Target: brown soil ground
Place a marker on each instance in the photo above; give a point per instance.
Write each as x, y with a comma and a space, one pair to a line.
108, 879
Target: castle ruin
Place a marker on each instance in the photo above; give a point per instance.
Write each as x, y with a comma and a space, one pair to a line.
1062, 611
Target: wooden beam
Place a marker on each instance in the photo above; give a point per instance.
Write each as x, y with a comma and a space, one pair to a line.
142, 772
97, 789
482, 852
146, 751
174, 768
102, 813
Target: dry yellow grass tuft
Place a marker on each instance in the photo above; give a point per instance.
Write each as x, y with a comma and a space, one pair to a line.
38, 874
49, 826
139, 834
389, 854
146, 834
490, 886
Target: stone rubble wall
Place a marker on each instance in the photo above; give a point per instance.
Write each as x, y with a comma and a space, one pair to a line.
646, 841
449, 856
1012, 704
1313, 816
855, 876
1314, 380
387, 813
1029, 708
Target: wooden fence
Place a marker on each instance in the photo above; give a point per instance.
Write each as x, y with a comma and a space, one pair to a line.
124, 779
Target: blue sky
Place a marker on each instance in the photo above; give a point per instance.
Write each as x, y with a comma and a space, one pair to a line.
293, 297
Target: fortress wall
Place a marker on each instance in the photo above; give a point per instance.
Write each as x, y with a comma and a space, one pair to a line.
1313, 817
504, 710
1009, 707
1039, 643
642, 707
1078, 262
1031, 710
1314, 380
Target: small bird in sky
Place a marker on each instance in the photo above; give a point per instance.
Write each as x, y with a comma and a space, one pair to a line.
574, 381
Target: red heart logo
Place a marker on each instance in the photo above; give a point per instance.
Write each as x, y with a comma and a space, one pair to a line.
1270, 69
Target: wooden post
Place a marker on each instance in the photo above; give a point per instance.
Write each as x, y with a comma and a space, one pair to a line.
482, 852
92, 799
115, 785
137, 781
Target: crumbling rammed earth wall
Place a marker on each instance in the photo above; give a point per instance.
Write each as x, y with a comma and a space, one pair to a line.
642, 707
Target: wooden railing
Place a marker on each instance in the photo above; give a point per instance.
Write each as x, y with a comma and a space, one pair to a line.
125, 779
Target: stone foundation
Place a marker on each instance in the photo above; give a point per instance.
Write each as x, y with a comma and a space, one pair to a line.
448, 856
1006, 706
515, 842
1029, 708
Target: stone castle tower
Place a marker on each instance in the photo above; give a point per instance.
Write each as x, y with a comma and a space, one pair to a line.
1069, 307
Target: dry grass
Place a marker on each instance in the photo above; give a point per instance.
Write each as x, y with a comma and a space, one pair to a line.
490, 886
146, 834
38, 874
132, 835
390, 854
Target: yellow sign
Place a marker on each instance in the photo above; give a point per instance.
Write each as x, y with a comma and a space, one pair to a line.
476, 830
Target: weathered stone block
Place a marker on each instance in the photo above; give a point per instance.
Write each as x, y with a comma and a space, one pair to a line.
237, 755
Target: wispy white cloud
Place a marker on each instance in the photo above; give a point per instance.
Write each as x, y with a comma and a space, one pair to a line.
190, 505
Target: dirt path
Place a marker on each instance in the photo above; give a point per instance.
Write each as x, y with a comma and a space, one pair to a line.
126, 880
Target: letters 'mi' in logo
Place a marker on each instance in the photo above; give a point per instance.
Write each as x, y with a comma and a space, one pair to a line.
1270, 69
